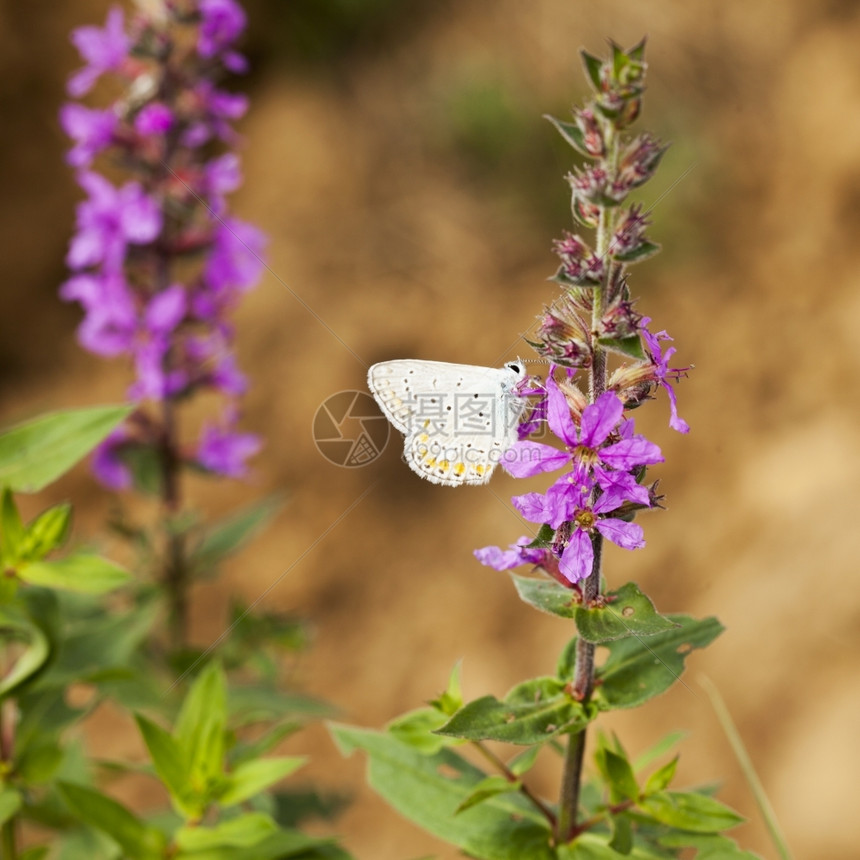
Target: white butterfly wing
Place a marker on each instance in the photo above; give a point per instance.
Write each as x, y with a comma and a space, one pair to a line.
458, 419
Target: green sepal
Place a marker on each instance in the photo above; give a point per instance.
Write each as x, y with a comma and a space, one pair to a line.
641, 252
637, 52
428, 789
708, 846
83, 572
592, 66
46, 533
37, 452
545, 536
688, 810
487, 788
531, 713
137, 840
572, 134
631, 346
662, 777
640, 669
547, 595
417, 728
562, 278
24, 627
627, 612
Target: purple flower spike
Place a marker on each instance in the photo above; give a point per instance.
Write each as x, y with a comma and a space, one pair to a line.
103, 49
158, 263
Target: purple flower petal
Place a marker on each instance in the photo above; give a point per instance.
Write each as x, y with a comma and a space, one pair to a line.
524, 459
629, 453
600, 419
625, 535
578, 557
224, 452
222, 21
166, 310
103, 49
623, 486
107, 465
558, 413
92, 131
153, 119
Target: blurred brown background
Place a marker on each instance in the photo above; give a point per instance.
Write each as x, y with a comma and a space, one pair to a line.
396, 155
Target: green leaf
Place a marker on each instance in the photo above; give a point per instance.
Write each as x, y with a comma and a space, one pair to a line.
640, 669
39, 761
171, 765
545, 535
228, 535
37, 452
138, 841
628, 612
564, 279
530, 713
661, 777
10, 803
277, 846
523, 762
622, 834
200, 727
11, 527
619, 776
659, 749
452, 699
547, 596
46, 533
690, 811
244, 831
417, 728
566, 665
252, 777
592, 69
485, 789
629, 346
37, 651
589, 846
89, 574
36, 852
247, 750
260, 702
642, 251
710, 846
427, 789
572, 134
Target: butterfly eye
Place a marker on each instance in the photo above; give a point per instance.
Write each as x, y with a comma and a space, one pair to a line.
512, 365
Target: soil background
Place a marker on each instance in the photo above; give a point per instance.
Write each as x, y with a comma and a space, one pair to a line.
396, 156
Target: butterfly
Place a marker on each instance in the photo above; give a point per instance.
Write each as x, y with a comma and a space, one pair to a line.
458, 419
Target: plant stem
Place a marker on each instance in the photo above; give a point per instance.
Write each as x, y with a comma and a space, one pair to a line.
583, 681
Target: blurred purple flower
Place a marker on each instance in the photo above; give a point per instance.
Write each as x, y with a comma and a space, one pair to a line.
107, 464
103, 49
222, 21
224, 452
153, 119
92, 131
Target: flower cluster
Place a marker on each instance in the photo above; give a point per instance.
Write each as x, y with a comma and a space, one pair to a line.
158, 263
602, 461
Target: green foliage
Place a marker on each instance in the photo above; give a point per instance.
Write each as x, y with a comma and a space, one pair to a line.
428, 789
530, 713
639, 669
37, 452
626, 612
